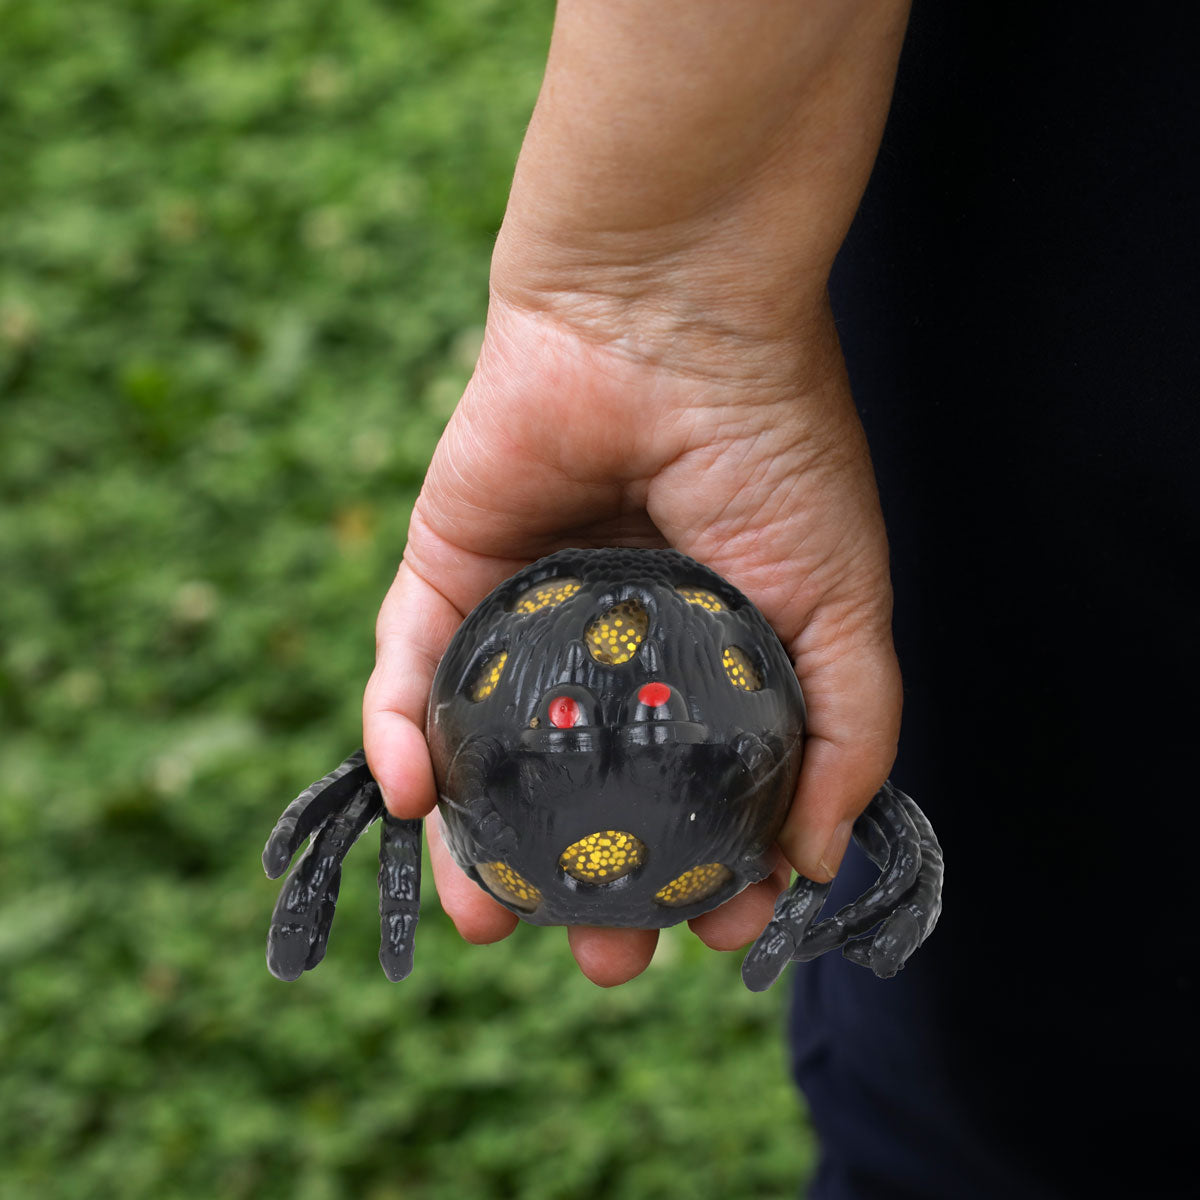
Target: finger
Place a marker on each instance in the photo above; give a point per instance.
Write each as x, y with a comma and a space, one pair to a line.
477, 917
611, 956
852, 687
415, 625
741, 919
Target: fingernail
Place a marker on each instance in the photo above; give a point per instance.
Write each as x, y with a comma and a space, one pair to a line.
386, 799
831, 858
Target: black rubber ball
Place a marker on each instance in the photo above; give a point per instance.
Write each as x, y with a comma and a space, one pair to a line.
616, 736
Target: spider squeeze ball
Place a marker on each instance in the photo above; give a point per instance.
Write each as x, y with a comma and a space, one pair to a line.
616, 737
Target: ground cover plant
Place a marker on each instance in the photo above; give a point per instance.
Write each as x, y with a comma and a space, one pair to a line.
243, 261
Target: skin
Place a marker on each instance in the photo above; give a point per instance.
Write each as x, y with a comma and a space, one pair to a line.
660, 367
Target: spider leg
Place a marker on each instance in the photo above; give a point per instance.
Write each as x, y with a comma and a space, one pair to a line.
399, 894
311, 808
907, 928
775, 947
756, 755
893, 826
872, 840
304, 911
321, 925
484, 833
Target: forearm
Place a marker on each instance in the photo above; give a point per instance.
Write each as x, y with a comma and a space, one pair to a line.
699, 147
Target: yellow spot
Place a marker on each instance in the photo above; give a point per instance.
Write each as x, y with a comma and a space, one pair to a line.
693, 885
606, 855
509, 885
546, 594
740, 669
489, 676
705, 599
610, 647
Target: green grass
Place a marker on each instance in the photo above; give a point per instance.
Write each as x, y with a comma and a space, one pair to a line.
243, 263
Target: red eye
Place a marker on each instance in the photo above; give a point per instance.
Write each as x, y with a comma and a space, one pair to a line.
653, 694
563, 712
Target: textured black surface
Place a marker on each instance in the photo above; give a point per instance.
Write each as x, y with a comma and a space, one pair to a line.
336, 810
708, 779
904, 903
399, 894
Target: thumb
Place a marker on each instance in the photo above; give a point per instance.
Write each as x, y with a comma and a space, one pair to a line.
416, 623
853, 692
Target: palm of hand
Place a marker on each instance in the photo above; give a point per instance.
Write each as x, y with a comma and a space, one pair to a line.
567, 440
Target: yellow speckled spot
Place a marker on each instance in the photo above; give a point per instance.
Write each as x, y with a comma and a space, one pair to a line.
546, 594
489, 676
705, 599
693, 885
614, 637
509, 885
740, 669
603, 856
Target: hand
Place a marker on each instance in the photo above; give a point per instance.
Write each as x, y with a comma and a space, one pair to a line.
592, 422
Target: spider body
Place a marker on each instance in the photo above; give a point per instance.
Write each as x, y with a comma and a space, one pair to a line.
617, 737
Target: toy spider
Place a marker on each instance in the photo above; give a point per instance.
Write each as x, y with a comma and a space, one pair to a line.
616, 736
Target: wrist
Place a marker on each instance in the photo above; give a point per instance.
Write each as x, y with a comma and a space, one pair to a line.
697, 362
669, 293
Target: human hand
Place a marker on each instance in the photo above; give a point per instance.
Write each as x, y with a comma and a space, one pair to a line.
749, 458
660, 368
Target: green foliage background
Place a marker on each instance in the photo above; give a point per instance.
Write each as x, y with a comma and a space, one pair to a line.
243, 262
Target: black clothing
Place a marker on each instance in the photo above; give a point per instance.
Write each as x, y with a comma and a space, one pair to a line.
1019, 301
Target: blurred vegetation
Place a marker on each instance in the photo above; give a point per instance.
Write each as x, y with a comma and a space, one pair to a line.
243, 261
